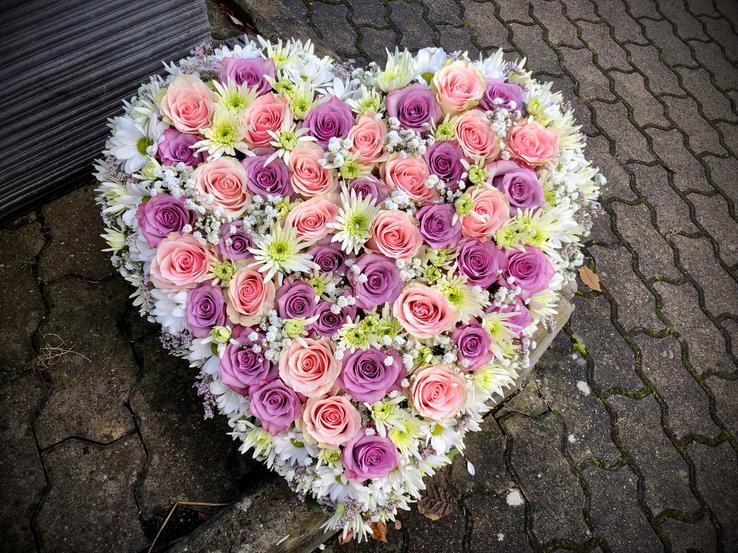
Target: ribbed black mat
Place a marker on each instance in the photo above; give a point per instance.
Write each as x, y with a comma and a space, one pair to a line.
65, 65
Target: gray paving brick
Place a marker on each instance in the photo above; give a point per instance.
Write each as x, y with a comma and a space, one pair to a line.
630, 144
672, 47
700, 135
672, 212
609, 53
660, 77
712, 213
688, 173
711, 57
647, 110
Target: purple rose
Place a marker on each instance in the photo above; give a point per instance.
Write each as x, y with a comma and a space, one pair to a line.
249, 71
328, 322
444, 160
371, 187
176, 147
161, 215
271, 179
295, 300
436, 226
414, 106
234, 241
502, 95
473, 342
530, 269
480, 261
329, 119
329, 258
275, 405
520, 319
518, 183
383, 283
205, 309
366, 376
369, 457
241, 367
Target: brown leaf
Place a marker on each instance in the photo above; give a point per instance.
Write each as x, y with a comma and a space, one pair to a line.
379, 531
436, 503
348, 538
590, 278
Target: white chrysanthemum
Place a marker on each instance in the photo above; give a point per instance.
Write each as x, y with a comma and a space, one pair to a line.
291, 448
169, 309
133, 142
503, 332
492, 67
494, 379
354, 221
398, 71
427, 62
468, 301
286, 139
280, 252
224, 136
234, 98
442, 437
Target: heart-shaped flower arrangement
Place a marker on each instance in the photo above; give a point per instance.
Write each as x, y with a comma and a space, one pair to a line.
355, 260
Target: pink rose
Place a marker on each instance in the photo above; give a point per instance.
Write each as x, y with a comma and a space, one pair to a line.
331, 421
438, 392
249, 297
180, 262
310, 218
368, 138
266, 113
533, 144
423, 311
458, 87
409, 175
310, 370
188, 104
475, 135
395, 234
491, 209
309, 177
225, 180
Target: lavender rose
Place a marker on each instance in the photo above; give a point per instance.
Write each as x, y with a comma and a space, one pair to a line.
330, 258
329, 119
275, 405
472, 342
161, 215
480, 261
367, 377
383, 283
328, 322
530, 269
267, 180
370, 186
414, 106
518, 183
241, 368
205, 309
444, 160
295, 300
176, 147
249, 71
369, 457
234, 241
502, 95
437, 227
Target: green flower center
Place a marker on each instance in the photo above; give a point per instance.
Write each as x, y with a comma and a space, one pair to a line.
350, 170
357, 224
235, 102
142, 144
225, 133
445, 131
220, 334
224, 271
477, 174
287, 140
464, 205
279, 250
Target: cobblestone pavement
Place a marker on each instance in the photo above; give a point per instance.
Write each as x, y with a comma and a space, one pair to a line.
626, 438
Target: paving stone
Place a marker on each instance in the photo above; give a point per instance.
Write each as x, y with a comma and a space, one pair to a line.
297, 9
609, 53
496, 526
674, 50
646, 109
712, 213
724, 174
660, 77
602, 233
21, 304
714, 104
560, 30
707, 349
618, 180
330, 21
221, 26
91, 383
624, 27
655, 257
23, 478
644, 8
615, 511
687, 26
75, 246
446, 12
527, 401
720, 30
630, 144
98, 482
376, 42
717, 471
724, 391
730, 327
664, 472
591, 82
687, 402
455, 39
700, 135
702, 7
688, 537
548, 485
541, 58
688, 173
636, 305
672, 212
369, 12
728, 9
415, 30
486, 451
487, 29
567, 87
580, 9
730, 136
515, 11
711, 57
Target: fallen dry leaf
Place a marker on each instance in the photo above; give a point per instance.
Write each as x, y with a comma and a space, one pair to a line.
348, 538
436, 503
379, 531
590, 278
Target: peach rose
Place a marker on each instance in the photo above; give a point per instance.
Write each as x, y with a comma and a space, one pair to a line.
395, 235
310, 369
267, 113
224, 179
491, 209
309, 177
188, 104
368, 138
180, 262
310, 218
331, 421
409, 175
458, 87
475, 135
533, 144
423, 311
249, 297
438, 392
